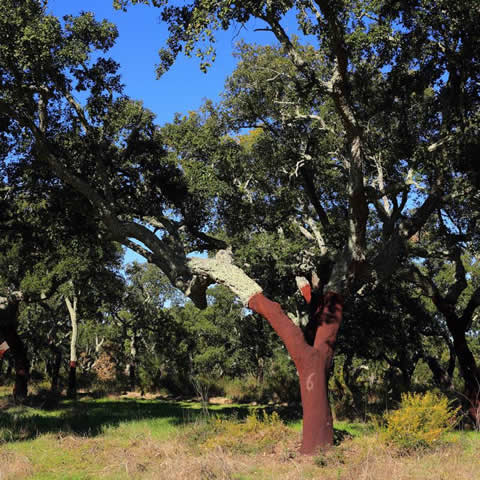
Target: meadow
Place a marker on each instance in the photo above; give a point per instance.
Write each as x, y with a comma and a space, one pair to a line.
124, 437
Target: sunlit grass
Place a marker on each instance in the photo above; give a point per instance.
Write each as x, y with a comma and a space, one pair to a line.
123, 438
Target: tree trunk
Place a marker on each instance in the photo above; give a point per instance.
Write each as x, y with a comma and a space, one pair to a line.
317, 417
3, 349
470, 372
72, 380
19, 354
441, 377
72, 374
468, 368
133, 362
55, 369
312, 361
8, 325
10, 366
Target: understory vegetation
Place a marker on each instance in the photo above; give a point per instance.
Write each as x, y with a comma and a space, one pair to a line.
132, 437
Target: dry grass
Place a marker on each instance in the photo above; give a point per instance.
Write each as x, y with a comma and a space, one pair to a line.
264, 449
14, 466
112, 456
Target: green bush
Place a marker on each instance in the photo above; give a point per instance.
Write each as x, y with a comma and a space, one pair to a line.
421, 421
281, 379
244, 389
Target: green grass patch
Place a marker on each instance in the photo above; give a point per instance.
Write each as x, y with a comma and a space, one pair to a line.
90, 417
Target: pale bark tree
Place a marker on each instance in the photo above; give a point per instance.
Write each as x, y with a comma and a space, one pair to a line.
72, 302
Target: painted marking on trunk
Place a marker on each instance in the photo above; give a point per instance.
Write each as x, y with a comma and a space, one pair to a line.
310, 384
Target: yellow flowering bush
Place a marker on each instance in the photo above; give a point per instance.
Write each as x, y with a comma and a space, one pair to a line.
421, 421
257, 433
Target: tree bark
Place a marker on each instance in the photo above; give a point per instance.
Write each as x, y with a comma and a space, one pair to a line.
72, 380
72, 374
19, 354
313, 362
55, 368
133, 362
441, 377
8, 325
469, 370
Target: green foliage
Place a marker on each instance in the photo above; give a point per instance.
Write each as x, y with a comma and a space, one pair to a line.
245, 389
421, 421
281, 378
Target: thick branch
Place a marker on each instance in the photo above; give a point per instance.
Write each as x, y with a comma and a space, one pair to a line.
220, 270
310, 190
412, 225
291, 335
460, 283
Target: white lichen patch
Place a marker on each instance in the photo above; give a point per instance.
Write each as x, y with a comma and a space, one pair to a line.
222, 271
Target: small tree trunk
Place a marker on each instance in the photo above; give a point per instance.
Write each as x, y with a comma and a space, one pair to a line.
72, 380
133, 362
260, 370
55, 372
19, 354
3, 349
8, 323
10, 366
312, 361
260, 350
470, 373
72, 374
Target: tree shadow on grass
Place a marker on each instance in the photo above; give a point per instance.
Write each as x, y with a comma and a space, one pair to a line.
89, 417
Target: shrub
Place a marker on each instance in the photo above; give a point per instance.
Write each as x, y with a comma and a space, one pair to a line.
258, 432
105, 368
281, 379
420, 422
244, 389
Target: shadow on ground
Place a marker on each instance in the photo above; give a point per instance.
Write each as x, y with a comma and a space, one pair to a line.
89, 416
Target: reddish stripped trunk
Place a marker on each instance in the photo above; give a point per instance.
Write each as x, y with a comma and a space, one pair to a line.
317, 417
312, 361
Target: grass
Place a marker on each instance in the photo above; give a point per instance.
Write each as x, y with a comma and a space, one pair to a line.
124, 438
